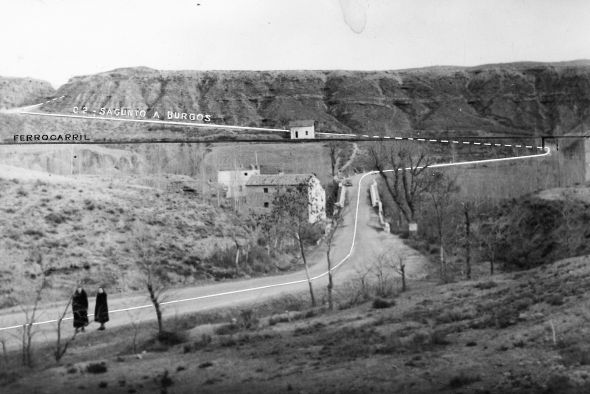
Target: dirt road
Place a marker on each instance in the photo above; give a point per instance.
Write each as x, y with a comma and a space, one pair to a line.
358, 241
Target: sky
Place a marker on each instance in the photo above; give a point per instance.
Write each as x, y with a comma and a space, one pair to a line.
55, 40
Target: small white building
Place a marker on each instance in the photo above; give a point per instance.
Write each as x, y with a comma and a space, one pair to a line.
262, 189
234, 181
302, 129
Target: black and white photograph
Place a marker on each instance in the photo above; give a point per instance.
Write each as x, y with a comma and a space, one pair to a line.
280, 196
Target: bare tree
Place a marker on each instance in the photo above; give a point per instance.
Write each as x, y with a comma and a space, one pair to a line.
62, 347
4, 352
382, 271
335, 148
238, 248
489, 233
30, 312
291, 212
135, 325
146, 246
466, 215
333, 151
402, 167
441, 195
336, 222
400, 268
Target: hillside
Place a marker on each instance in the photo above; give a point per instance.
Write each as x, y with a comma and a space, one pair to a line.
513, 333
15, 92
519, 98
96, 229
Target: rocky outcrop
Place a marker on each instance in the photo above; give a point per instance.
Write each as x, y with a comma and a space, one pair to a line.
518, 98
15, 92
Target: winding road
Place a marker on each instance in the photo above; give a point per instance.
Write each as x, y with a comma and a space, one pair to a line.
358, 242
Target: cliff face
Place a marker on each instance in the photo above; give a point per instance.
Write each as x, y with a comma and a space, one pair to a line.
522, 98
15, 92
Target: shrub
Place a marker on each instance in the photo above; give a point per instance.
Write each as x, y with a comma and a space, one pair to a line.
34, 233
485, 285
170, 338
452, 315
227, 329
96, 367
55, 218
380, 303
554, 299
462, 380
166, 381
574, 351
247, 319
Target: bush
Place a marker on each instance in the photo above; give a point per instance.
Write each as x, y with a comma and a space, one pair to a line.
169, 338
55, 218
485, 285
166, 381
462, 380
574, 351
380, 303
554, 299
96, 367
452, 315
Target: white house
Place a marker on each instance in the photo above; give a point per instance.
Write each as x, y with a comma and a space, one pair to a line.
234, 181
261, 191
302, 129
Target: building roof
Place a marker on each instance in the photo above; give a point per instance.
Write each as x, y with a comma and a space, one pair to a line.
278, 179
302, 123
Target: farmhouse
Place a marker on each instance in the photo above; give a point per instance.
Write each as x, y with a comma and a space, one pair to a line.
261, 191
302, 129
234, 181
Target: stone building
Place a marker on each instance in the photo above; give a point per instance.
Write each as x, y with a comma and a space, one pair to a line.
234, 181
262, 189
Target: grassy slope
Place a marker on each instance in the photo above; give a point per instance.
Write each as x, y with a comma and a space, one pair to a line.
479, 336
86, 229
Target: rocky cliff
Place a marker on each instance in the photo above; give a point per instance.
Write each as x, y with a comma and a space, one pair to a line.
516, 98
15, 92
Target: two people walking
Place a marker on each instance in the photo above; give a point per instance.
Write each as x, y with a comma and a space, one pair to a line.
80, 309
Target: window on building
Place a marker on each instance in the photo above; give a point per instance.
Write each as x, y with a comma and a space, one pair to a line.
305, 132
241, 188
266, 189
265, 205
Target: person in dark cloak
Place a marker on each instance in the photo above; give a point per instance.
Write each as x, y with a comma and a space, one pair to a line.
80, 309
101, 309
